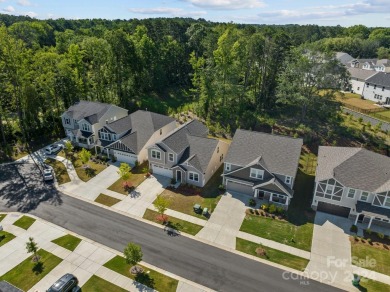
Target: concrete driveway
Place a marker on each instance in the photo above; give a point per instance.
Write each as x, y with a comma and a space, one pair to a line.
330, 260
225, 222
143, 196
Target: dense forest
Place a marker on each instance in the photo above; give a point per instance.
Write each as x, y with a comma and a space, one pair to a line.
230, 75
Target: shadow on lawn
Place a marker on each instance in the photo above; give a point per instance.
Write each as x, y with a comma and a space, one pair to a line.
38, 268
22, 187
145, 279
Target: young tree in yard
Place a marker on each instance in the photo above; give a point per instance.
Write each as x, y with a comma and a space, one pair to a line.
85, 155
124, 173
68, 147
32, 247
133, 255
161, 204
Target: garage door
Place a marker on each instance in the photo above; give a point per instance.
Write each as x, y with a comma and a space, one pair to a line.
125, 157
162, 171
239, 188
333, 209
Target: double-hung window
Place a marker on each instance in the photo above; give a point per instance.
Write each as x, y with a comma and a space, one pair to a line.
228, 166
156, 154
364, 196
351, 193
257, 173
86, 127
193, 176
288, 180
170, 157
329, 189
66, 121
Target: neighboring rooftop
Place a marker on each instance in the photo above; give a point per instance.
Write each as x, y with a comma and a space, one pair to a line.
140, 126
280, 154
353, 167
361, 74
92, 111
343, 57
380, 79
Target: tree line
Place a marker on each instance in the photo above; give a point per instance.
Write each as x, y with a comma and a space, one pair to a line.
230, 73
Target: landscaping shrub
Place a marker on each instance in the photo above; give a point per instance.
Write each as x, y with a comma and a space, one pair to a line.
368, 231
261, 252
369, 240
265, 207
380, 235
272, 209
252, 202
354, 228
280, 210
221, 188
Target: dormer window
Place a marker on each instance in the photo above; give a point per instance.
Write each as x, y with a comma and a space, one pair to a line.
288, 180
86, 127
66, 121
105, 136
228, 166
257, 173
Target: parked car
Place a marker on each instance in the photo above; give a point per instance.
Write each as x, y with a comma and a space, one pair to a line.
48, 174
53, 149
66, 283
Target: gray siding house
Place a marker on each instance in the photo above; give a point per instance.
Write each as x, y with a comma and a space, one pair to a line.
84, 119
263, 166
353, 182
187, 155
128, 138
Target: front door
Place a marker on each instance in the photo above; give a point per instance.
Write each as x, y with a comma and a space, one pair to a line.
387, 100
360, 218
178, 175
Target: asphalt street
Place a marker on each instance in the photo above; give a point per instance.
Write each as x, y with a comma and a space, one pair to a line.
202, 263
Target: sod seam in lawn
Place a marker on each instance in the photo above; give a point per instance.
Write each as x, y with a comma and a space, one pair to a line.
280, 231
97, 284
24, 222
60, 171
5, 237
149, 277
175, 223
106, 200
68, 241
27, 274
362, 251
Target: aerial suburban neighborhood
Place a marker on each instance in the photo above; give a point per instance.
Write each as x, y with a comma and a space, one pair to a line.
194, 146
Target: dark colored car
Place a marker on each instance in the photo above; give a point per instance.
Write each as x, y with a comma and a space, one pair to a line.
65, 284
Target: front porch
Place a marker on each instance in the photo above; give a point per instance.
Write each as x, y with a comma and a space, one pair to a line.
372, 217
266, 197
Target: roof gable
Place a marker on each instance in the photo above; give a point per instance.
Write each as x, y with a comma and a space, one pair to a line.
90, 110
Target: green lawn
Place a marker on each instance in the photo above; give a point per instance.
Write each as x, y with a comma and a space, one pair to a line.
178, 224
96, 284
368, 285
385, 115
85, 174
272, 255
364, 250
149, 277
136, 178
60, 171
2, 216
184, 198
67, 241
27, 274
5, 237
106, 200
24, 222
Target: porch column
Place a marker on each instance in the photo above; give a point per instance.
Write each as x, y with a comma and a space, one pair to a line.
108, 152
287, 201
357, 217
270, 197
369, 224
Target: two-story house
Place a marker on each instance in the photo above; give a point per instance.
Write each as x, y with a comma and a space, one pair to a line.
358, 79
377, 88
353, 182
187, 154
262, 165
84, 119
128, 138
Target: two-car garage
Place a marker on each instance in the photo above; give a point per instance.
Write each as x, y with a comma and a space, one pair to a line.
125, 157
159, 170
238, 187
333, 209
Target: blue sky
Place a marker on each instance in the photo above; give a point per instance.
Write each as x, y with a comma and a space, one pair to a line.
321, 12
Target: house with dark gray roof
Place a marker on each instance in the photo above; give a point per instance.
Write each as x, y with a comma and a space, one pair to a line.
84, 119
354, 183
377, 88
128, 138
263, 166
187, 155
358, 79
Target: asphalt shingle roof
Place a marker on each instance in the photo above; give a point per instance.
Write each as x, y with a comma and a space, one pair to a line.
353, 167
200, 151
141, 126
361, 74
279, 153
380, 79
90, 110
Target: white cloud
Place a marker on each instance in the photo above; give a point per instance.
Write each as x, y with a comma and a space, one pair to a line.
227, 4
31, 14
168, 11
9, 9
24, 3
2, 1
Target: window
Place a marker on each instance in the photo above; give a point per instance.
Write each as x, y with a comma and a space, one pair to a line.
156, 154
228, 166
368, 85
374, 86
288, 179
193, 176
66, 121
358, 88
351, 193
383, 89
329, 189
387, 202
105, 136
160, 131
257, 173
170, 157
86, 127
364, 196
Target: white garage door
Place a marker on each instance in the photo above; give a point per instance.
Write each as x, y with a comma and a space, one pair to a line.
162, 171
239, 188
125, 157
